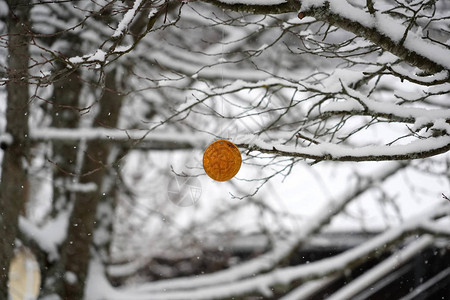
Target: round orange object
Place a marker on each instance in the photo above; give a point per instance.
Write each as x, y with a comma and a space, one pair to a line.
222, 160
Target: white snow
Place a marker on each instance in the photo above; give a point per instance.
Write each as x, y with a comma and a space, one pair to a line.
124, 48
70, 277
285, 275
97, 285
6, 138
80, 187
118, 135
441, 124
239, 278
339, 151
281, 247
308, 289
402, 111
98, 56
426, 79
49, 236
308, 4
4, 9
387, 26
127, 18
420, 122
152, 13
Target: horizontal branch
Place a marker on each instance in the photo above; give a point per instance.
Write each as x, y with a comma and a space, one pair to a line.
336, 152
359, 104
139, 139
136, 138
274, 7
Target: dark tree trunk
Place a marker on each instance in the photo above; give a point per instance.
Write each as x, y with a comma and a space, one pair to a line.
65, 114
76, 249
14, 177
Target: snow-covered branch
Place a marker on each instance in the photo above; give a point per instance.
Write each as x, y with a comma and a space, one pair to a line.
126, 20
382, 269
337, 264
309, 288
281, 248
382, 30
137, 138
291, 82
115, 50
358, 104
377, 27
417, 149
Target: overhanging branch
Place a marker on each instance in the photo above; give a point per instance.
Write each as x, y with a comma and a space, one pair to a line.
375, 36
325, 14
418, 149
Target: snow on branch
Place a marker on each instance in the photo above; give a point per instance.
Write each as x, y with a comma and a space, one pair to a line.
176, 140
434, 79
436, 229
376, 26
357, 103
98, 57
421, 148
382, 30
281, 248
382, 269
76, 187
126, 20
261, 284
116, 50
308, 289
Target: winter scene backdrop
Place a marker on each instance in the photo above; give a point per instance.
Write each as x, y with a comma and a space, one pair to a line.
340, 110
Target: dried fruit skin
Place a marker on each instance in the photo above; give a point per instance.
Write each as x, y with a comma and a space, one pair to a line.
222, 160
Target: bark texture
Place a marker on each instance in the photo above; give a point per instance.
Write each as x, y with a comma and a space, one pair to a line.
76, 251
14, 176
64, 115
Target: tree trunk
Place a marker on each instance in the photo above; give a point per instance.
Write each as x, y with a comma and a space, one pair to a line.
63, 109
64, 113
76, 248
14, 177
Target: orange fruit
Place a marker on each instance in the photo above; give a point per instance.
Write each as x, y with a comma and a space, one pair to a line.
222, 160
